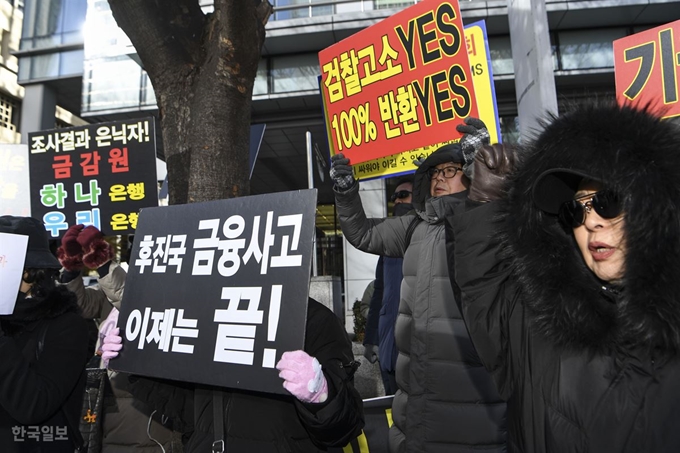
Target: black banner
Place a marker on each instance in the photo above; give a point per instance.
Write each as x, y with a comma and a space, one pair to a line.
216, 292
99, 174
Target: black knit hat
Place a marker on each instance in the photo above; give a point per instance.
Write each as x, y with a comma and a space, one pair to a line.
38, 255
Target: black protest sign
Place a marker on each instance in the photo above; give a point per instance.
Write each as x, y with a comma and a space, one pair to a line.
99, 174
216, 292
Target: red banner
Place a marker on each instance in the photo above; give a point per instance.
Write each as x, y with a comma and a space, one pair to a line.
647, 69
401, 84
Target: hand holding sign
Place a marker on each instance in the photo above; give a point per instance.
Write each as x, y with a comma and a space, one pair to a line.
475, 136
341, 172
303, 377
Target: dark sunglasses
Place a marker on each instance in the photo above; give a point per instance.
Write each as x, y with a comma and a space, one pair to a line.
400, 195
573, 212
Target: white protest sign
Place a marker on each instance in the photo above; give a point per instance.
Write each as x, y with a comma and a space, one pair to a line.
12, 256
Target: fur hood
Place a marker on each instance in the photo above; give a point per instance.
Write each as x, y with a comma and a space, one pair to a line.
638, 156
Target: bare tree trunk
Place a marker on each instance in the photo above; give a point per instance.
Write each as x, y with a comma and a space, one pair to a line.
202, 68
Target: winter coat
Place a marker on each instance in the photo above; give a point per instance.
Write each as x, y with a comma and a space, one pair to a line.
584, 365
446, 399
258, 422
125, 419
42, 374
392, 277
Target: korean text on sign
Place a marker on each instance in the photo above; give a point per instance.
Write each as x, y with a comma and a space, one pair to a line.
399, 85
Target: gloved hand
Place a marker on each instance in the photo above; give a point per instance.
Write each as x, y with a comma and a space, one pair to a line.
111, 346
341, 172
70, 253
492, 166
371, 353
419, 162
96, 251
475, 135
302, 377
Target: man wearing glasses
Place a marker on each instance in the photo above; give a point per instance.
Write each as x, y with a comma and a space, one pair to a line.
446, 400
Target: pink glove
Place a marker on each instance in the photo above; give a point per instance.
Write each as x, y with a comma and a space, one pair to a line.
112, 344
302, 376
108, 325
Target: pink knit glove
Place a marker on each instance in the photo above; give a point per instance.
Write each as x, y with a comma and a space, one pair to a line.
107, 326
112, 344
302, 376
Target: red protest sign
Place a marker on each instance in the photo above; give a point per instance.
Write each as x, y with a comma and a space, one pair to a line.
646, 68
401, 84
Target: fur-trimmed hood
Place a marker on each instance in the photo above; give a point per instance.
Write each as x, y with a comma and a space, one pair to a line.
638, 156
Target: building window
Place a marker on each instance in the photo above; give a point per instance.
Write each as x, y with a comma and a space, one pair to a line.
294, 9
53, 22
588, 49
261, 85
501, 55
295, 73
8, 113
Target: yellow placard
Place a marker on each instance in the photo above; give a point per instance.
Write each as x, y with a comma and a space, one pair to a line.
485, 96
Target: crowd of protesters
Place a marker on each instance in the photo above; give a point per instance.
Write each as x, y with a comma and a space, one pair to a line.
537, 312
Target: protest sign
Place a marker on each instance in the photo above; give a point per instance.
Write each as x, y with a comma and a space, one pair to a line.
217, 291
12, 256
14, 180
485, 98
99, 174
398, 85
646, 69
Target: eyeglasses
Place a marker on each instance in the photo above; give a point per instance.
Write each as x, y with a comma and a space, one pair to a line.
573, 212
400, 195
447, 172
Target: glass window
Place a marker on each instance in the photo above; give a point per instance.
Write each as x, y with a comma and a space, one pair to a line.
260, 86
295, 73
71, 63
501, 55
53, 22
73, 15
588, 49
111, 84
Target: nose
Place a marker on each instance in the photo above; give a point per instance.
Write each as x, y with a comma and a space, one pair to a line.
593, 220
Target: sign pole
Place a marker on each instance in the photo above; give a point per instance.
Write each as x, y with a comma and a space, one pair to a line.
310, 181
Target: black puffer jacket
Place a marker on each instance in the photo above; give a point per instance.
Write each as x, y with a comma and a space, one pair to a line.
42, 373
446, 399
585, 367
257, 422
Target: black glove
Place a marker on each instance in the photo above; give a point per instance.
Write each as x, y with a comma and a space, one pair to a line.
475, 135
371, 352
492, 166
341, 172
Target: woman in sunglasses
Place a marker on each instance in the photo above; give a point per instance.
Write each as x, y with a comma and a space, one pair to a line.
570, 276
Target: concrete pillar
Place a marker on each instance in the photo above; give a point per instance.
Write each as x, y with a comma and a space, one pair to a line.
37, 110
532, 60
